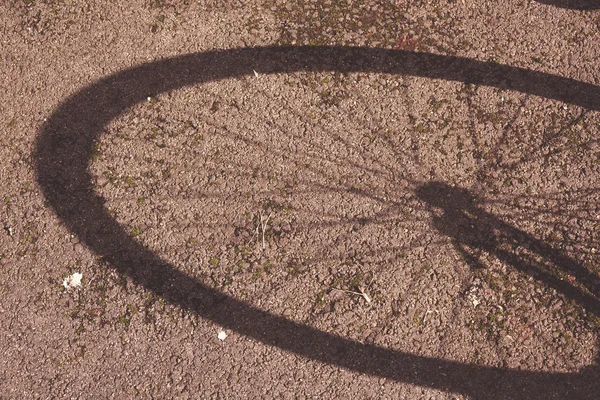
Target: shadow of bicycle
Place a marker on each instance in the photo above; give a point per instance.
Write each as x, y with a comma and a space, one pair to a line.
66, 143
473, 230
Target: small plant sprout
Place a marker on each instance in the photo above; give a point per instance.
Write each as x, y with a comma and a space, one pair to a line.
261, 228
361, 293
264, 228
364, 294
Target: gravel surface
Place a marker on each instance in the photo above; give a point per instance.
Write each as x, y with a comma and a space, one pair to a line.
328, 199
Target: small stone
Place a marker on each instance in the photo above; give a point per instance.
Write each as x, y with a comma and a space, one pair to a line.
73, 281
101, 181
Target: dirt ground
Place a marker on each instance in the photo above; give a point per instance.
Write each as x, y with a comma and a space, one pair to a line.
310, 199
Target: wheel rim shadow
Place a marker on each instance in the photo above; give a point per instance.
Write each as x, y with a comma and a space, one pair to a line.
65, 146
573, 4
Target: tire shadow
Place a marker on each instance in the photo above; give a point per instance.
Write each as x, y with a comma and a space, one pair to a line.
573, 4
65, 145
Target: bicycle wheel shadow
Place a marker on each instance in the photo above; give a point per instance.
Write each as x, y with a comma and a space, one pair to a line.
66, 143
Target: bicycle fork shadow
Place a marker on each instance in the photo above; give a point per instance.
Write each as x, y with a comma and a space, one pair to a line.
458, 215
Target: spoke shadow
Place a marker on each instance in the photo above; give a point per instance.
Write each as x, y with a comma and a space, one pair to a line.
65, 146
472, 229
